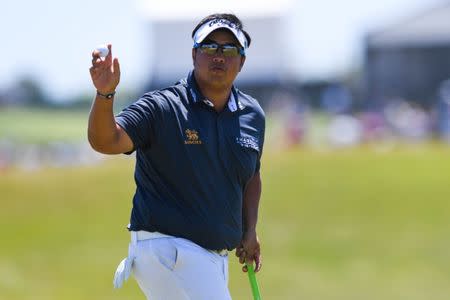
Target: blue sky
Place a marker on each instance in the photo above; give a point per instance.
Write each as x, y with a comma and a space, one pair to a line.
52, 40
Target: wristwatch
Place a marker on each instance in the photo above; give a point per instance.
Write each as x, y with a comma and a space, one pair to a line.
106, 96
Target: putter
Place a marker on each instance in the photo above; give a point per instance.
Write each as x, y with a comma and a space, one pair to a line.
253, 282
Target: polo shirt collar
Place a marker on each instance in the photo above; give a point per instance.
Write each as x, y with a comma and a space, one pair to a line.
196, 95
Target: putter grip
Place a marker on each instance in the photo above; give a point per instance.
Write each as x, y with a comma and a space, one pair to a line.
253, 282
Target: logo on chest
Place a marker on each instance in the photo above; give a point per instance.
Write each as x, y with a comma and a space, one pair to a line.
192, 137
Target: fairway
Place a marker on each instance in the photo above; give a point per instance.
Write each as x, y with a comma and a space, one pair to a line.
349, 224
36, 126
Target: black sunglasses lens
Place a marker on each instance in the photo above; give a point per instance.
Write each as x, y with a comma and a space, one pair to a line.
209, 49
227, 50
230, 51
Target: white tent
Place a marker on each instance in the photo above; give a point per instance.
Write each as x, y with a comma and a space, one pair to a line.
172, 22
432, 27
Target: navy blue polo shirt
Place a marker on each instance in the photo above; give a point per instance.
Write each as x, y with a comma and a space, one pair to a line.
192, 163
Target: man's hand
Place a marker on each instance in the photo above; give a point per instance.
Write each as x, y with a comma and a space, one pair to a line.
249, 250
105, 73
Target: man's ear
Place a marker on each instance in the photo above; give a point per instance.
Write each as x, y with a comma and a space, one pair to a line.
194, 54
242, 63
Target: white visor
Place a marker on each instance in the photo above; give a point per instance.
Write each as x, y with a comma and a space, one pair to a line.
210, 26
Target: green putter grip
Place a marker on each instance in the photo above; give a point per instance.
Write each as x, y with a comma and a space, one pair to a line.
253, 282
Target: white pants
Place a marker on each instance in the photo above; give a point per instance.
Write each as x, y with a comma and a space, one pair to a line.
170, 268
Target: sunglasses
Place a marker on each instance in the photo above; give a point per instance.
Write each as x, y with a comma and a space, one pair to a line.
228, 50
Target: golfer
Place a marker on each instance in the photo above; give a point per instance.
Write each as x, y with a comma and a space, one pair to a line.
198, 148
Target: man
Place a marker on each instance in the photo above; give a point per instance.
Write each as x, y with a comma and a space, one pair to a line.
198, 147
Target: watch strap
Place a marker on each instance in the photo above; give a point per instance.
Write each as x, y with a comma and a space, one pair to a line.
106, 96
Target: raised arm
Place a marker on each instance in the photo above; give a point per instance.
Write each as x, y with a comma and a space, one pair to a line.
104, 135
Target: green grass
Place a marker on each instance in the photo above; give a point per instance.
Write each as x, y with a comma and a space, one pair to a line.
349, 224
43, 125
358, 224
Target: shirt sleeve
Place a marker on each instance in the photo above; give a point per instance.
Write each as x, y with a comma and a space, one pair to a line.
260, 143
140, 121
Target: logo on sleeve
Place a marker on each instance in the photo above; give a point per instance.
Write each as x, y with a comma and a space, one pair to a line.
248, 142
192, 137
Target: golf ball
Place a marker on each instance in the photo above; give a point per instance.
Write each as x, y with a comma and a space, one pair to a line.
103, 50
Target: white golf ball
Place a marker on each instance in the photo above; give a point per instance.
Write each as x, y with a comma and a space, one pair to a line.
103, 50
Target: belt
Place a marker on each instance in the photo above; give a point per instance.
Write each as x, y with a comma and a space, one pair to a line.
147, 235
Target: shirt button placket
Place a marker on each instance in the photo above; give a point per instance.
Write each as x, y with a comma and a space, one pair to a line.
221, 138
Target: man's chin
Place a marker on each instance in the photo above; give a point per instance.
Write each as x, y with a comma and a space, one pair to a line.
217, 82
217, 75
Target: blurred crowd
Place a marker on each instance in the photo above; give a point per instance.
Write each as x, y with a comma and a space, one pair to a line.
335, 123
32, 157
326, 118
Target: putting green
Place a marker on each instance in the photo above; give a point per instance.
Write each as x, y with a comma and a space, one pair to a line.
351, 224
